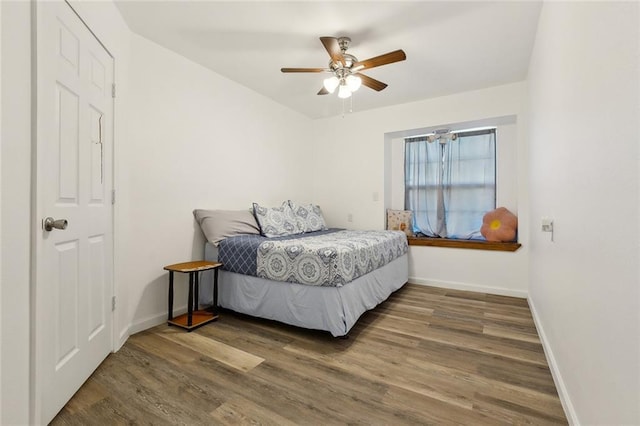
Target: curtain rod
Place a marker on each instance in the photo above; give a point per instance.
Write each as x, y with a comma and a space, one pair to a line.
459, 133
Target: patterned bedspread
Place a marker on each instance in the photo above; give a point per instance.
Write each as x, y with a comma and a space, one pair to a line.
320, 258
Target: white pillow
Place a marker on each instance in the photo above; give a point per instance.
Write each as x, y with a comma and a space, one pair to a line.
308, 216
276, 221
220, 224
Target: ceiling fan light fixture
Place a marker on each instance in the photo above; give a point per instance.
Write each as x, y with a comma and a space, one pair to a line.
331, 84
345, 68
353, 82
344, 92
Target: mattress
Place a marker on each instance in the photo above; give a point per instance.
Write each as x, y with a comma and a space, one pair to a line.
325, 258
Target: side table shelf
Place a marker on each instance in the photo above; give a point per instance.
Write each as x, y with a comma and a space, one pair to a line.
194, 317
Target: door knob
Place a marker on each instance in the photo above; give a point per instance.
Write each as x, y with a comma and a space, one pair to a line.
49, 223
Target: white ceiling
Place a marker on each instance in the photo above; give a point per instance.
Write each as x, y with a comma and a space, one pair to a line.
451, 46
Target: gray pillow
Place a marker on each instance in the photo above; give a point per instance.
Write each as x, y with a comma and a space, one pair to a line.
220, 224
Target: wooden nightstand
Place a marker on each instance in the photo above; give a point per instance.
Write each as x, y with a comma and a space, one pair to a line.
194, 317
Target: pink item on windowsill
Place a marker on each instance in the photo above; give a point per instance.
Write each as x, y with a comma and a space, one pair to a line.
499, 225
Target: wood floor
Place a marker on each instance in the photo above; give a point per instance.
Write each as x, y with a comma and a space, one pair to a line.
425, 356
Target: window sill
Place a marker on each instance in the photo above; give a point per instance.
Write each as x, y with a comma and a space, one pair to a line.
463, 244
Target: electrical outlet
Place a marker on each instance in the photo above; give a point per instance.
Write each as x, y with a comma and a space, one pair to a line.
349, 217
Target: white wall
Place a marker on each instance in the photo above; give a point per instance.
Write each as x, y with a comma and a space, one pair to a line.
16, 210
584, 137
196, 140
353, 164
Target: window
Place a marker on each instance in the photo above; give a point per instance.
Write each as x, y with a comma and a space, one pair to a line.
450, 182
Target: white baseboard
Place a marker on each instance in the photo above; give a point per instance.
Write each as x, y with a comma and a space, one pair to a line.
122, 337
152, 321
569, 411
470, 287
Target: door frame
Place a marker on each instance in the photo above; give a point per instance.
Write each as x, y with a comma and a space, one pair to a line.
38, 274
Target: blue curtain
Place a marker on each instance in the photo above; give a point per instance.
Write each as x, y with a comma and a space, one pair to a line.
451, 184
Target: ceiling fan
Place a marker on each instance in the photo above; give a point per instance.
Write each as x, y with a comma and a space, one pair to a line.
346, 68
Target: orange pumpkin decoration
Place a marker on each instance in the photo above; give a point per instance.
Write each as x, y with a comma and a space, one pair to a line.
499, 225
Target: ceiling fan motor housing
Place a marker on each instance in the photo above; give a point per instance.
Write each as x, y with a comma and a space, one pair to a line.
343, 42
349, 60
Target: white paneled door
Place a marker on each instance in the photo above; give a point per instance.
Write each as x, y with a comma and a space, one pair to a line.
74, 246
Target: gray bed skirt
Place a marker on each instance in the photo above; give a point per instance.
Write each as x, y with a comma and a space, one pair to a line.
332, 309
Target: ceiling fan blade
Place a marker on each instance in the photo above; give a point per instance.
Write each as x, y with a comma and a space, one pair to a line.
372, 83
387, 58
333, 48
323, 91
303, 69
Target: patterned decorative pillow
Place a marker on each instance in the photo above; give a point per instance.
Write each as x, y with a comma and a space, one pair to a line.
276, 221
308, 216
400, 220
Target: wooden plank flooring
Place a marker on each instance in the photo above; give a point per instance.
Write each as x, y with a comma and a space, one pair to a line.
425, 356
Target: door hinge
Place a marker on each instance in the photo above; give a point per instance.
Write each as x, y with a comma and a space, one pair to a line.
113, 303
113, 196
113, 90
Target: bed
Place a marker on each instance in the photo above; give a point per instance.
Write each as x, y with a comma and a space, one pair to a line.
323, 279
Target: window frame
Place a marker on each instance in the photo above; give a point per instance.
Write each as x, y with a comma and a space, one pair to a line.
460, 133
